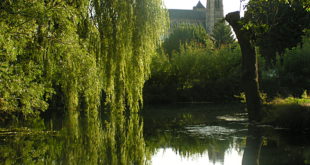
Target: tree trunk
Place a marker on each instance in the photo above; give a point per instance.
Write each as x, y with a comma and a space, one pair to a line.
249, 73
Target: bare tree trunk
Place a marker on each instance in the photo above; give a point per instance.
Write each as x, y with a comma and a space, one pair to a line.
249, 67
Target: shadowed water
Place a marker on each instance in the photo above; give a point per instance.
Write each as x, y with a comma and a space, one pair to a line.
180, 134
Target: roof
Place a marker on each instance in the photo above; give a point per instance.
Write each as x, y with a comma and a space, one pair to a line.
187, 14
199, 6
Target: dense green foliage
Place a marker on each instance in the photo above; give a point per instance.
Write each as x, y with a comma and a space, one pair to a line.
277, 25
206, 74
190, 68
186, 34
75, 51
195, 75
290, 76
222, 34
129, 32
273, 26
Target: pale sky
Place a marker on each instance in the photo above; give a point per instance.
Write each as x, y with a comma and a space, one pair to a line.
229, 5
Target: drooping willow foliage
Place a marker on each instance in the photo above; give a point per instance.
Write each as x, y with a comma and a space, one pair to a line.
128, 32
77, 49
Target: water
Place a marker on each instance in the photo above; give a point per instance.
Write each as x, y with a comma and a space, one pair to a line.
163, 135
203, 135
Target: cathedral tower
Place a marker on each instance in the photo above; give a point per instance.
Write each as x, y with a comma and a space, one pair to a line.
214, 13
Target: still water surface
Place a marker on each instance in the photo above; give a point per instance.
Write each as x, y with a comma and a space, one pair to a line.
164, 135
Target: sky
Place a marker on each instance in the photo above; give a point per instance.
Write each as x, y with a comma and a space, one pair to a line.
229, 5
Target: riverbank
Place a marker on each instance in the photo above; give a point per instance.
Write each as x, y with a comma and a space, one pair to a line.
291, 113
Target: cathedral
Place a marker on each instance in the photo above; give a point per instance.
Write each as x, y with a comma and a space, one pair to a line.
199, 15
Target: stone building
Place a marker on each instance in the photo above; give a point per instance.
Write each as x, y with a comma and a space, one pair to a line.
199, 15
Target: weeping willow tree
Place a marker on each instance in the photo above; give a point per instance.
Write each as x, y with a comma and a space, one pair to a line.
77, 50
40, 50
129, 32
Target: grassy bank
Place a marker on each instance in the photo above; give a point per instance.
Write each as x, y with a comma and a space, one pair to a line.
292, 113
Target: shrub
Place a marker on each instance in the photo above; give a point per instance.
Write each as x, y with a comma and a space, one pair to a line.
195, 74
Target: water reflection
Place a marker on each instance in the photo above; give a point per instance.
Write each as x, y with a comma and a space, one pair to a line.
221, 138
253, 146
204, 139
168, 156
187, 135
84, 139
185, 147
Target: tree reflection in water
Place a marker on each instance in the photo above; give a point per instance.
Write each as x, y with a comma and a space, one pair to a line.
269, 146
84, 139
252, 149
117, 139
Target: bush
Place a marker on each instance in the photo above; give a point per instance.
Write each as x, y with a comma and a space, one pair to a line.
195, 75
291, 74
184, 34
